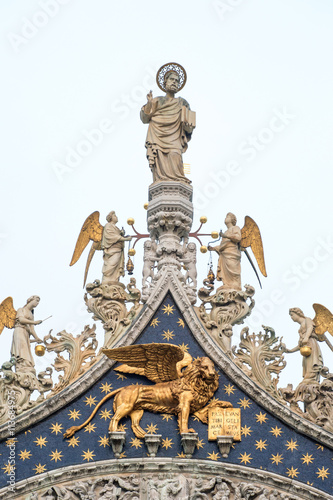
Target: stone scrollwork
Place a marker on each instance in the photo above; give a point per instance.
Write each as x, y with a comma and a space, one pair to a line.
107, 302
259, 356
19, 386
228, 308
82, 354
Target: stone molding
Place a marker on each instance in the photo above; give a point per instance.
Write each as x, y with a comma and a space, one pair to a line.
148, 466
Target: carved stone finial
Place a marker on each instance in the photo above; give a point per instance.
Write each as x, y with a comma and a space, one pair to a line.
117, 441
189, 441
153, 442
224, 444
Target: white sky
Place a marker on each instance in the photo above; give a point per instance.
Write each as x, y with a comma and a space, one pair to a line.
247, 62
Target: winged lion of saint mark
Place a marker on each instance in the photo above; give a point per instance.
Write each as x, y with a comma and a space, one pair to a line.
183, 386
323, 322
251, 237
7, 314
91, 230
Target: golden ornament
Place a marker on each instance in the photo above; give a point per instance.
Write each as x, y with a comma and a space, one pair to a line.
130, 221
306, 351
214, 235
203, 249
203, 219
131, 252
39, 350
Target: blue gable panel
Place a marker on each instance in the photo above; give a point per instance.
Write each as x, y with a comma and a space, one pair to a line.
266, 444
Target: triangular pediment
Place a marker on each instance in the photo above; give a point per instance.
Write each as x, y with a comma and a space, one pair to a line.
273, 437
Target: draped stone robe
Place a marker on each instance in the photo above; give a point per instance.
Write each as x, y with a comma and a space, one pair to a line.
166, 138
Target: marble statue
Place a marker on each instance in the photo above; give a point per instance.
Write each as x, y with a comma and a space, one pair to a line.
190, 261
229, 267
112, 245
23, 329
109, 238
234, 241
171, 124
149, 259
312, 358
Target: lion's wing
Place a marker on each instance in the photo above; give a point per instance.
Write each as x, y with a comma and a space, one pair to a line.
159, 361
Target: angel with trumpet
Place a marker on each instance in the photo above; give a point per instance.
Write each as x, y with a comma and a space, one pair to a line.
234, 241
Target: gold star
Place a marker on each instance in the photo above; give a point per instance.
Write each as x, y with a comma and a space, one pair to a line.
213, 456
39, 468
167, 335
105, 414
121, 376
136, 442
229, 389
181, 455
167, 443
246, 431
90, 401
74, 414
320, 447
122, 455
277, 459
276, 431
90, 428
292, 472
245, 458
291, 445
183, 347
261, 445
56, 428
168, 309
73, 441
88, 455
261, 418
25, 455
155, 322
11, 441
8, 469
322, 473
122, 428
180, 322
40, 441
167, 417
200, 444
103, 441
56, 455
244, 403
151, 429
106, 388
307, 459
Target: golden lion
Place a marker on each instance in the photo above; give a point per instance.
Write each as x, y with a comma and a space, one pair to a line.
177, 391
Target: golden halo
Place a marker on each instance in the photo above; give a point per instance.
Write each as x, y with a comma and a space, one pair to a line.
165, 69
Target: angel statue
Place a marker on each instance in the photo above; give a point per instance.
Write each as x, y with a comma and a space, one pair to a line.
23, 323
171, 123
183, 386
310, 333
110, 239
234, 241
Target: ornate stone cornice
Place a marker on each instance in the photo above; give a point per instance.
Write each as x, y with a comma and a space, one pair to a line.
149, 466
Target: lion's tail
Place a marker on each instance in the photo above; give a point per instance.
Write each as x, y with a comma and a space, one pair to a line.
72, 430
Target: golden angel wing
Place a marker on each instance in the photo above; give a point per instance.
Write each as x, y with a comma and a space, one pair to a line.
91, 230
323, 320
157, 362
251, 237
7, 314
